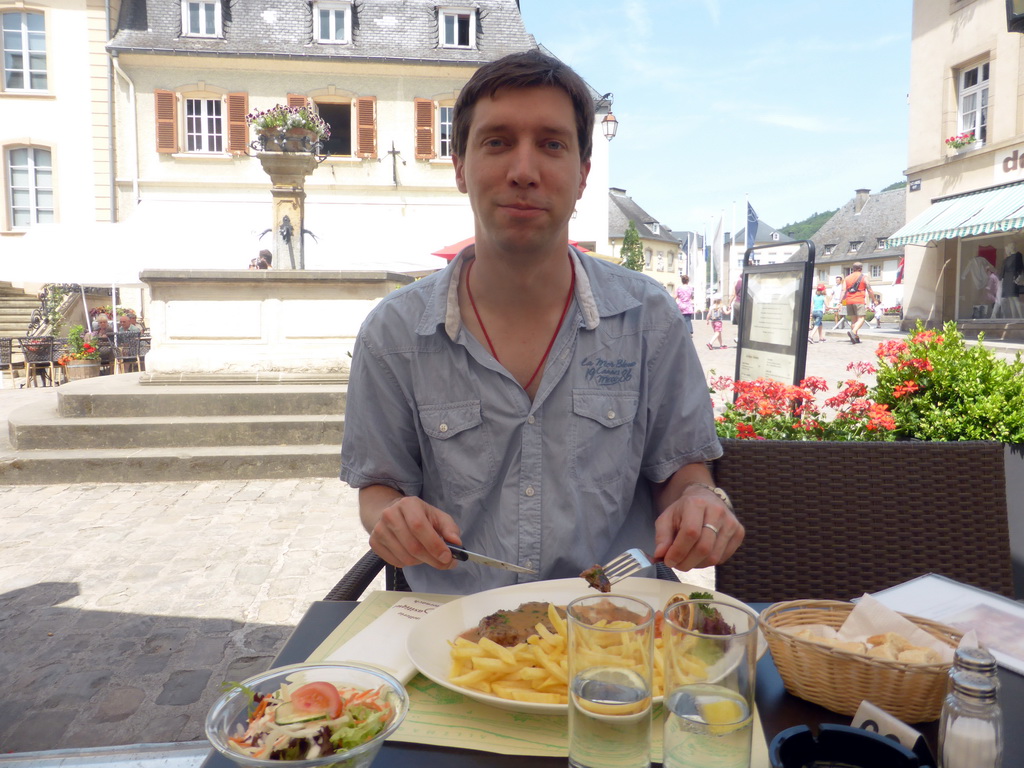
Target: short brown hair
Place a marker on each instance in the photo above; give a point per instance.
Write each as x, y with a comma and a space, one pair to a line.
858, 266
529, 69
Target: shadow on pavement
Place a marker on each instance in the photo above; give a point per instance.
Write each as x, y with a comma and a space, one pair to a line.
84, 678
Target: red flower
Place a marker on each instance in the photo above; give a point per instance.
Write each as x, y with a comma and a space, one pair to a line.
908, 387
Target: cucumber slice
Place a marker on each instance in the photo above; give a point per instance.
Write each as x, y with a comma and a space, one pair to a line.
285, 714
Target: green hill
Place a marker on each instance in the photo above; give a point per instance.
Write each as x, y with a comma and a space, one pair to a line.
803, 230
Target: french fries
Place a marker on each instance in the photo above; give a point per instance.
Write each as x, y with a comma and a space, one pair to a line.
538, 670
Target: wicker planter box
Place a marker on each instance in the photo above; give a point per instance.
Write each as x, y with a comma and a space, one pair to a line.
832, 520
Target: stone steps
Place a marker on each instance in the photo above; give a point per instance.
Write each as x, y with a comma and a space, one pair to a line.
116, 429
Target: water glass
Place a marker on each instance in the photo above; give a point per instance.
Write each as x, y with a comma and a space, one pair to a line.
611, 648
710, 654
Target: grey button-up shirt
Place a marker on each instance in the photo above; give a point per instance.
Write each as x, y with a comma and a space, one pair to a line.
557, 484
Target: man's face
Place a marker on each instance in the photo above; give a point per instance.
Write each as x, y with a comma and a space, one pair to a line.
124, 321
522, 169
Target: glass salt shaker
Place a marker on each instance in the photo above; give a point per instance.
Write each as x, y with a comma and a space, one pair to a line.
974, 660
971, 727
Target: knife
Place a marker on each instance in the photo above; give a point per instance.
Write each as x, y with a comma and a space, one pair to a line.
464, 554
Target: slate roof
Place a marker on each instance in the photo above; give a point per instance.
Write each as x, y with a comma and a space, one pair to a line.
622, 209
392, 30
764, 236
883, 213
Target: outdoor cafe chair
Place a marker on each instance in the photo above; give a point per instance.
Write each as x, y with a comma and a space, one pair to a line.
128, 352
7, 360
61, 347
38, 352
833, 520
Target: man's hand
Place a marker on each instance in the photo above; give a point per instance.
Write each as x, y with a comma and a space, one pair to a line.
405, 530
684, 533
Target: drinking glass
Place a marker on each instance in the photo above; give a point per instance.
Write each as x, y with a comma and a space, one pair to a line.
611, 647
710, 654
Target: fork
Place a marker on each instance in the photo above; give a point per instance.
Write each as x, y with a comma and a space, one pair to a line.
626, 564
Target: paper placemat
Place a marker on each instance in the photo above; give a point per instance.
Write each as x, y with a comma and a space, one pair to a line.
443, 717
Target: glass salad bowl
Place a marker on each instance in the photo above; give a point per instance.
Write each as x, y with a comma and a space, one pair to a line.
341, 713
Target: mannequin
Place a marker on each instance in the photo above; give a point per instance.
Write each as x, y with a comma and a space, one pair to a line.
1013, 270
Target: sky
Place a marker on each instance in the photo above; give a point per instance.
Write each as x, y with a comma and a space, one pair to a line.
792, 104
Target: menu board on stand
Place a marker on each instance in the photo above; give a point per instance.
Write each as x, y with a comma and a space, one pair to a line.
774, 313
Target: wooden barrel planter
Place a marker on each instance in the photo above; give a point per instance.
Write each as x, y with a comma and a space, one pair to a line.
81, 369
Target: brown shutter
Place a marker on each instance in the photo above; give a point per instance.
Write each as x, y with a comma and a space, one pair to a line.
166, 122
366, 127
297, 100
238, 129
425, 129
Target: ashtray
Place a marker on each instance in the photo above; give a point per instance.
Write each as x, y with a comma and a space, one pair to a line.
839, 746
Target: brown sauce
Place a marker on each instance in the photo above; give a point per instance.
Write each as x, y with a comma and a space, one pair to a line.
511, 627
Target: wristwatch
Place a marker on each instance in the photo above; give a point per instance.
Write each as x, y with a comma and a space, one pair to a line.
719, 492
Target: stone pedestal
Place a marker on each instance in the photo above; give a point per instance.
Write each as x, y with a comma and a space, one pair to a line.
267, 326
288, 171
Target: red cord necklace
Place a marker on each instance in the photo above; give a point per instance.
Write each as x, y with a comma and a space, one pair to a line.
480, 320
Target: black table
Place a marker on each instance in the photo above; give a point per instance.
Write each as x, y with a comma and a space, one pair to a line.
778, 709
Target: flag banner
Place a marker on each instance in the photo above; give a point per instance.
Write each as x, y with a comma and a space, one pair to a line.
751, 226
899, 271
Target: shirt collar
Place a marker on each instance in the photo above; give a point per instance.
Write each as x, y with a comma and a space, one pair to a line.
594, 298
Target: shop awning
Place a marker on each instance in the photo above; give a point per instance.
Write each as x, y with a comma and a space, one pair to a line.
998, 209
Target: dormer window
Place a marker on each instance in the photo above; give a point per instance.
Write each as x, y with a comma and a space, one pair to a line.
775, 236
201, 18
332, 21
880, 245
830, 249
655, 228
855, 245
457, 27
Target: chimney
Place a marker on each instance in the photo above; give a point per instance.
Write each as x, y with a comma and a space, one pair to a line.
860, 198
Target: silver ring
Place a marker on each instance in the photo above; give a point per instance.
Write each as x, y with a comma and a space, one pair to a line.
713, 529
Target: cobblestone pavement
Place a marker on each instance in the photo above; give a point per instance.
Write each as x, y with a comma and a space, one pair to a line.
124, 606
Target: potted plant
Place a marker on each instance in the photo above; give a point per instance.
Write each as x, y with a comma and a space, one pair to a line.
288, 129
769, 410
962, 141
939, 388
82, 360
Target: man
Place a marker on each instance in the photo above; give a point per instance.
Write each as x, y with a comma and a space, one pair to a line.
734, 301
857, 291
126, 324
528, 402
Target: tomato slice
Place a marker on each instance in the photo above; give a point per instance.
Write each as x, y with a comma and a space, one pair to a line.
317, 697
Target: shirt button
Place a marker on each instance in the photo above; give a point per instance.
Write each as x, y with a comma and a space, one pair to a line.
529, 490
443, 428
530, 419
611, 414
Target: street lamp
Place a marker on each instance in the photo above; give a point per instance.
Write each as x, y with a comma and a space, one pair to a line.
1015, 16
609, 125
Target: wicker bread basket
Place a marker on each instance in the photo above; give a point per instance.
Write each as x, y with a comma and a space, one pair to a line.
839, 680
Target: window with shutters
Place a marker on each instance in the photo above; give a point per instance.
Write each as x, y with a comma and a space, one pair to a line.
24, 36
201, 18
444, 130
332, 21
339, 119
457, 27
201, 122
29, 186
204, 125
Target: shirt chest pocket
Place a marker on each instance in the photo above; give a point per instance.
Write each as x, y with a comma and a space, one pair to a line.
457, 437
603, 432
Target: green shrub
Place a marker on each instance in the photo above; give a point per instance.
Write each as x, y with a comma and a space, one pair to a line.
939, 388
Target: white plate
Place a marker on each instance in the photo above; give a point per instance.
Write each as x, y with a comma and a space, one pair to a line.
428, 643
